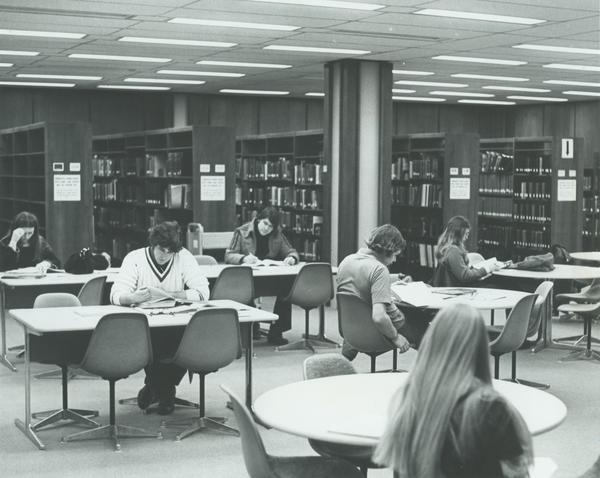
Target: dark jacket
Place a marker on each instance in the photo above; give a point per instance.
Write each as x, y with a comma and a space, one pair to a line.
244, 243
453, 269
26, 257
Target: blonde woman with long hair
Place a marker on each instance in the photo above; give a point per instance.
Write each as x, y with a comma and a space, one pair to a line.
448, 421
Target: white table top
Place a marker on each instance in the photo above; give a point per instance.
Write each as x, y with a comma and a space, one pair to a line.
353, 409
586, 256
70, 319
561, 271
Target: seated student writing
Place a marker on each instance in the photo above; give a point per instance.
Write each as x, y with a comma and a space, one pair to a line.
453, 269
365, 274
164, 268
24, 246
447, 420
261, 239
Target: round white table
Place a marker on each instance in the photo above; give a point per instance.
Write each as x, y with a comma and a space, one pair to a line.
481, 298
592, 256
354, 409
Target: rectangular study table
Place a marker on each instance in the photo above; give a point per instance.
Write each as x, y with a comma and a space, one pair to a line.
72, 319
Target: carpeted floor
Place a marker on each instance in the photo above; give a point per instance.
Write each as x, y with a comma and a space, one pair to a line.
574, 446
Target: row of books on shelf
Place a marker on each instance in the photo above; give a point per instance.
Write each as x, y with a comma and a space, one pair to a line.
430, 227
155, 165
591, 182
591, 204
425, 195
423, 167
496, 184
421, 254
105, 166
279, 196
118, 217
531, 212
258, 168
532, 190
534, 165
114, 191
531, 239
308, 249
304, 224
496, 162
591, 226
495, 207
308, 173
165, 164
494, 235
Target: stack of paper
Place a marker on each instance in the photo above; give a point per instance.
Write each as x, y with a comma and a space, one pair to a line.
417, 294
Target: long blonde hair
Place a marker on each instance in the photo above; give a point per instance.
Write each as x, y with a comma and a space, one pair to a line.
453, 361
453, 235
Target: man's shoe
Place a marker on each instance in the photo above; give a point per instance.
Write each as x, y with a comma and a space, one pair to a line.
277, 340
166, 403
146, 397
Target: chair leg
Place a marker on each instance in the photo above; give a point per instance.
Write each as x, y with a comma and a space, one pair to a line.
373, 363
496, 366
304, 344
587, 353
394, 360
492, 317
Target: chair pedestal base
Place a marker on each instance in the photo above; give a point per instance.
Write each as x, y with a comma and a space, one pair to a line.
29, 433
114, 432
303, 344
178, 402
585, 354
200, 424
529, 383
76, 416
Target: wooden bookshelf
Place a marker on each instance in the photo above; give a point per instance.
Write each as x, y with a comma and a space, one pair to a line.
284, 170
45, 169
143, 178
591, 207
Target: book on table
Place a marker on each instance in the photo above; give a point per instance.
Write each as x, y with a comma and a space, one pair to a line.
163, 303
268, 262
23, 273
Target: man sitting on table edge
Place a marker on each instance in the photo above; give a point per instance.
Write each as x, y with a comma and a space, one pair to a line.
164, 268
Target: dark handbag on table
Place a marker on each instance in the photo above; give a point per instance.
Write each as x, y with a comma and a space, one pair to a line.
542, 262
85, 262
561, 255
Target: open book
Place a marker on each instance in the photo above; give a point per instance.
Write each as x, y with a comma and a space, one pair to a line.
488, 263
268, 262
24, 273
162, 303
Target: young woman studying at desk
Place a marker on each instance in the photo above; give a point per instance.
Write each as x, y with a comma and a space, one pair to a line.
24, 246
448, 420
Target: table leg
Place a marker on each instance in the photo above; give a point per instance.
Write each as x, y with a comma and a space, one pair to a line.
25, 426
249, 354
321, 337
4, 359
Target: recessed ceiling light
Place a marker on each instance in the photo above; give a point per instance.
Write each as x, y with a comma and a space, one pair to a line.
582, 93
471, 59
329, 3
223, 74
314, 93
255, 92
488, 102
87, 56
401, 91
413, 72
537, 98
37, 83
243, 64
560, 49
164, 81
562, 66
6, 65
478, 16
19, 53
310, 49
430, 83
129, 87
515, 88
417, 98
488, 77
173, 41
461, 93
33, 33
231, 24
572, 83
59, 77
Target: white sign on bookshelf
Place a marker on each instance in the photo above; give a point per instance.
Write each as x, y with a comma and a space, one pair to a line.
460, 188
67, 187
566, 190
212, 188
566, 148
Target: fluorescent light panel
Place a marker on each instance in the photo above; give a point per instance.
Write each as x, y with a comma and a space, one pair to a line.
19, 53
488, 77
6, 65
314, 93
87, 56
563, 66
59, 77
461, 93
329, 4
310, 49
413, 72
515, 88
34, 33
430, 83
242, 64
37, 83
402, 91
488, 102
255, 92
417, 98
470, 59
573, 83
164, 81
129, 87
537, 98
559, 49
174, 41
231, 24
223, 74
478, 16
582, 93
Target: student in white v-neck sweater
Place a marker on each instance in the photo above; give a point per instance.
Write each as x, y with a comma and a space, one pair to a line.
148, 273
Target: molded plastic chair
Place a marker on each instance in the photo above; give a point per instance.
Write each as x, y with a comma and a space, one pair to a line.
261, 465
91, 291
54, 349
513, 334
206, 260
474, 257
211, 341
328, 365
587, 295
313, 287
120, 346
587, 312
593, 471
356, 326
234, 283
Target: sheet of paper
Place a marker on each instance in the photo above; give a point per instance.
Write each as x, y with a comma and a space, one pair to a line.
460, 188
67, 187
417, 294
566, 190
212, 188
